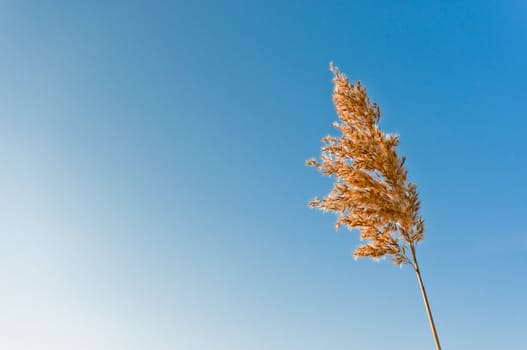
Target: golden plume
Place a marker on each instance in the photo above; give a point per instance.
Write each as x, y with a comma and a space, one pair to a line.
371, 192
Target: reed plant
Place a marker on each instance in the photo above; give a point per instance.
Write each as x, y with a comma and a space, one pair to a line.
371, 191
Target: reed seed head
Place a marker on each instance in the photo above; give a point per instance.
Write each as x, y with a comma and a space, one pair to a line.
371, 192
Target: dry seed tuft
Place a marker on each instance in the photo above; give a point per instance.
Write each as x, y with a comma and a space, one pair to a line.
371, 192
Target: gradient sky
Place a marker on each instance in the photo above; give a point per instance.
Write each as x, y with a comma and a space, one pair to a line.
153, 189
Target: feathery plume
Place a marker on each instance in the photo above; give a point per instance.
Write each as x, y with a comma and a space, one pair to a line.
371, 192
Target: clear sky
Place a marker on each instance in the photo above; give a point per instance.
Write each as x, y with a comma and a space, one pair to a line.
153, 189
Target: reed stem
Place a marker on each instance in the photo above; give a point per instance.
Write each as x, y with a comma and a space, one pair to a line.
425, 298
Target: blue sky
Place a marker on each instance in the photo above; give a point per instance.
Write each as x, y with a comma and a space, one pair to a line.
153, 190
